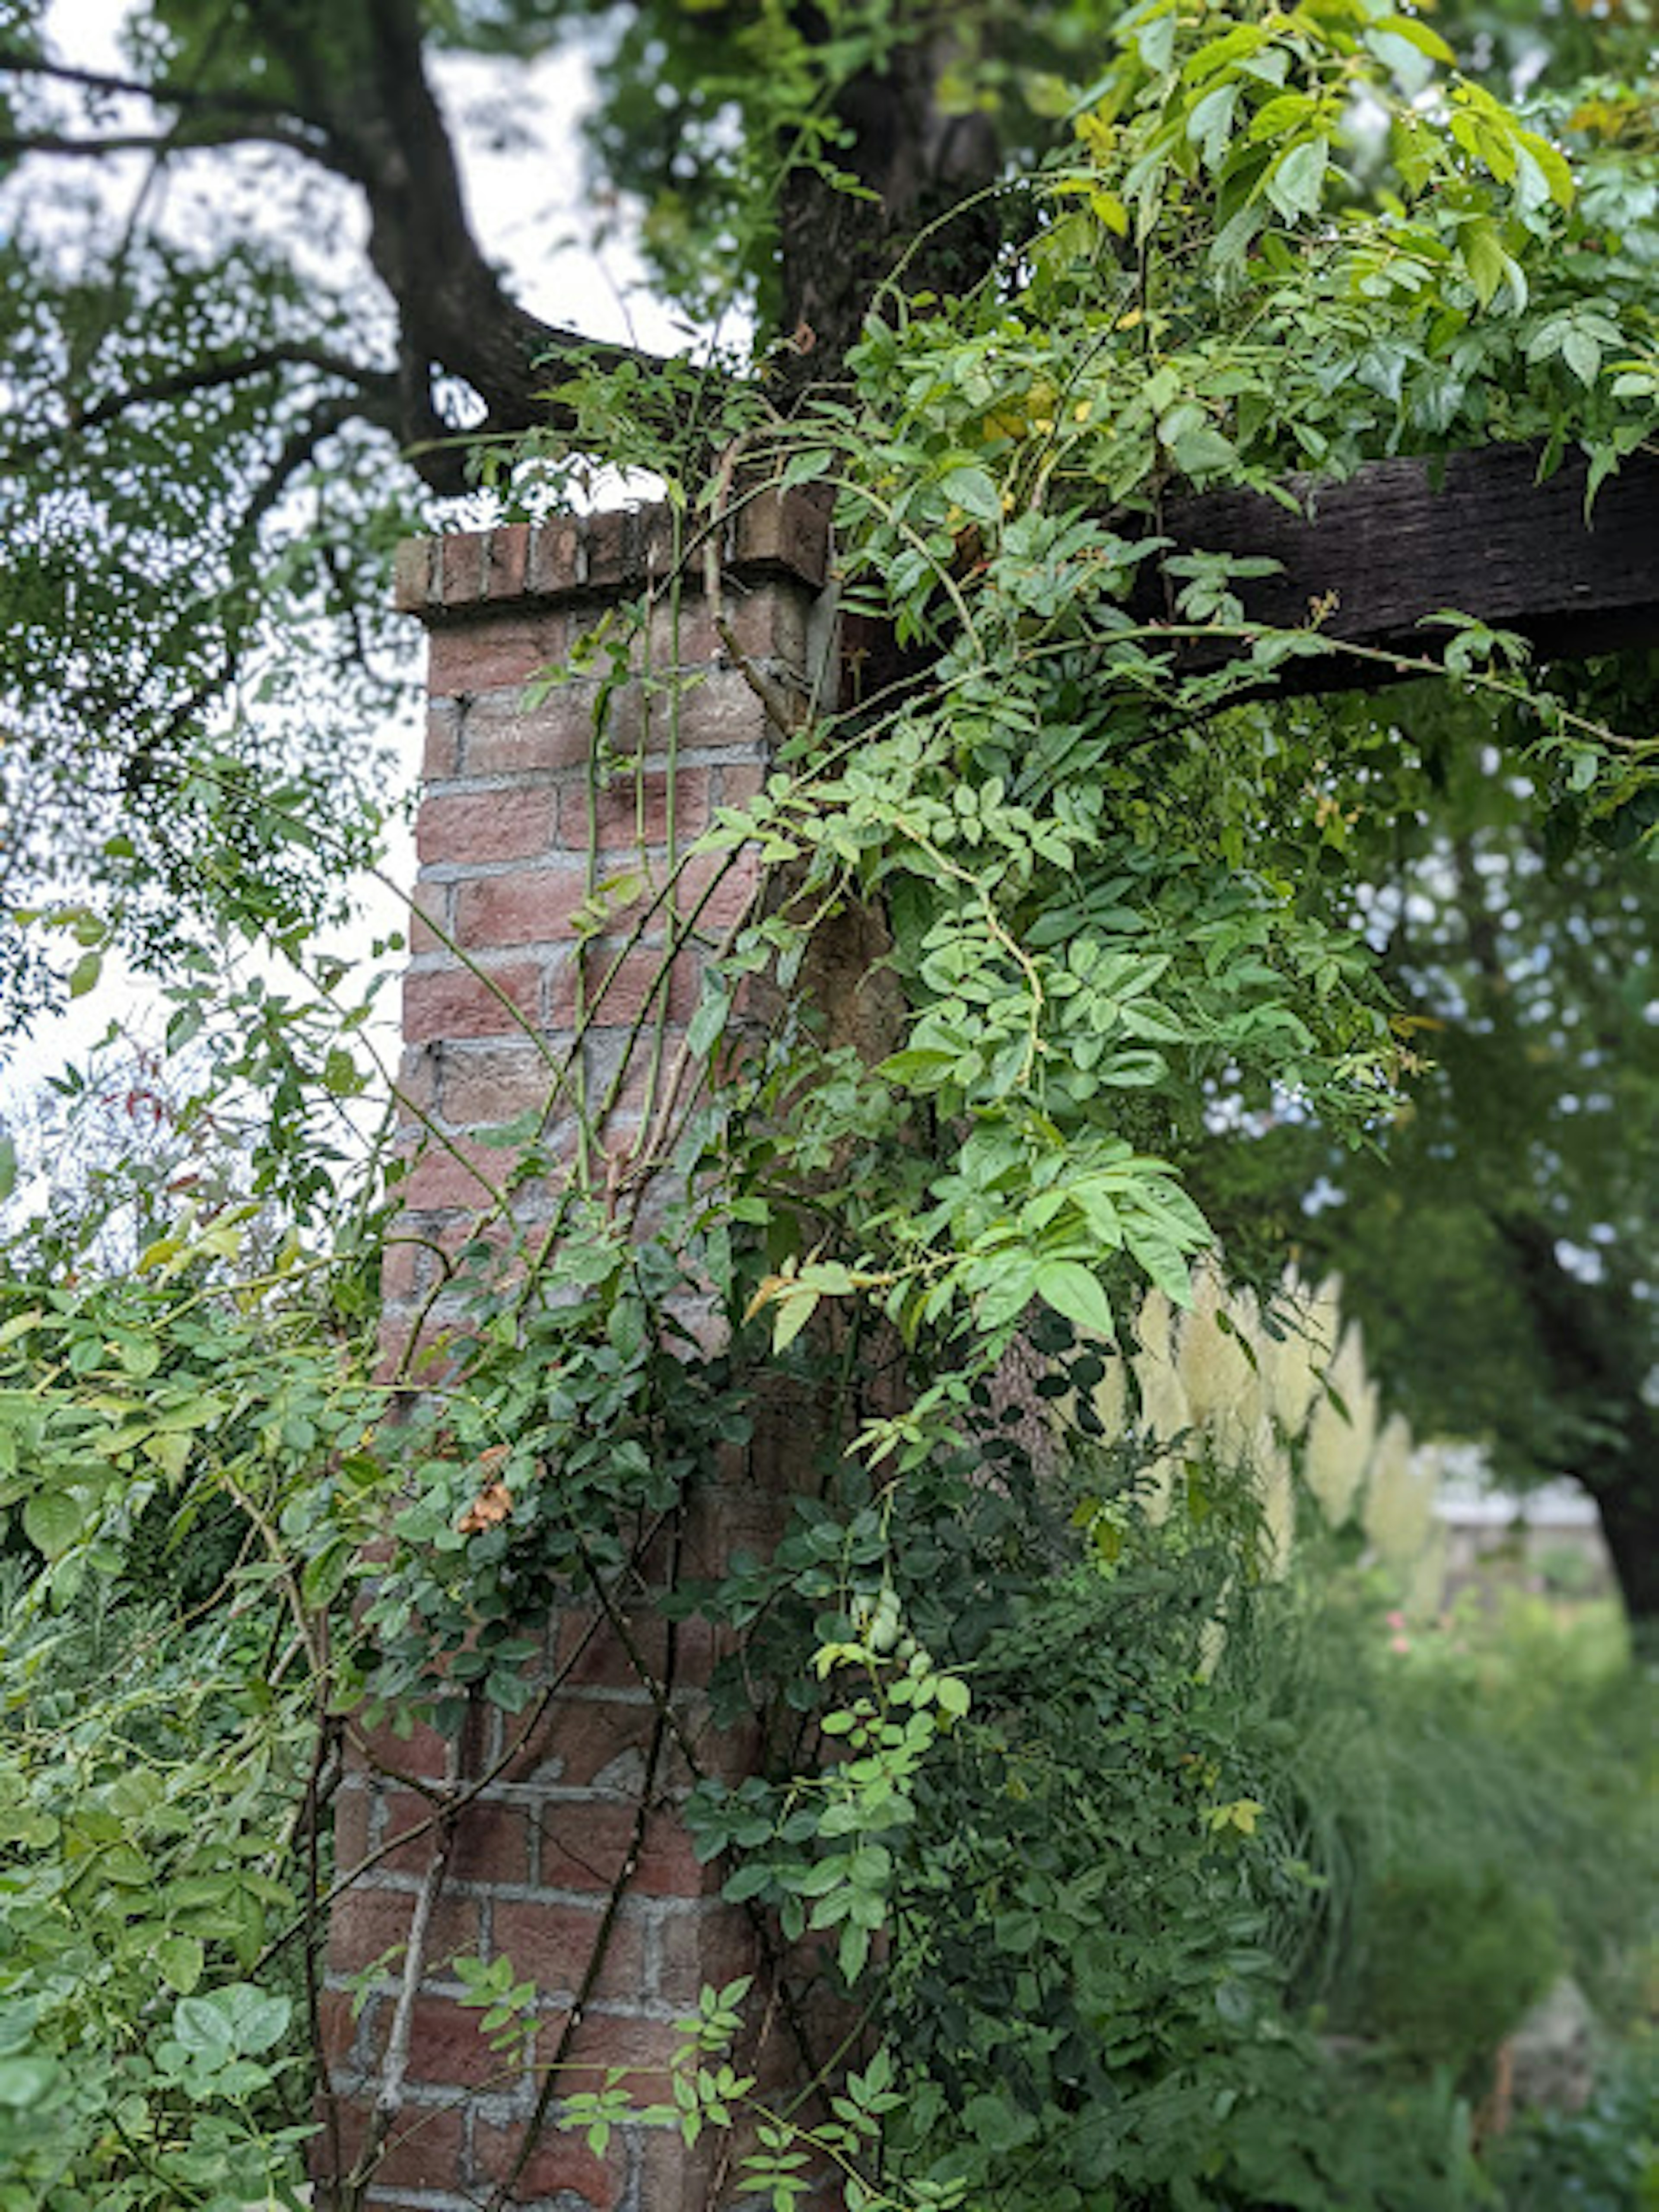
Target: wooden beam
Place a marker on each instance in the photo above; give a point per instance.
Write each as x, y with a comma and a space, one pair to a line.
1477, 532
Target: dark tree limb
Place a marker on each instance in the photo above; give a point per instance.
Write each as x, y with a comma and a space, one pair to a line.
180, 138
377, 387
161, 91
1596, 1340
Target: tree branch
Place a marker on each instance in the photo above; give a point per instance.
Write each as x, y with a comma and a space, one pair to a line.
181, 138
378, 387
234, 99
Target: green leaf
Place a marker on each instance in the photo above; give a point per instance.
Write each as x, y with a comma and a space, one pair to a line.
83, 976
1296, 185
178, 1960
795, 1309
1419, 35
974, 491
1074, 1291
52, 1520
1581, 355
1484, 259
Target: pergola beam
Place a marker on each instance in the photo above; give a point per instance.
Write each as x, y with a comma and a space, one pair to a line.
1478, 532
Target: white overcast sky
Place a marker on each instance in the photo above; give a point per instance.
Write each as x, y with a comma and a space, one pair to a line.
520, 132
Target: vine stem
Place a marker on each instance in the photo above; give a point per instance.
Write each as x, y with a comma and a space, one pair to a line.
394, 2067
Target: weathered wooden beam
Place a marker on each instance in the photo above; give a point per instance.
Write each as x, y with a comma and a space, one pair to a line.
1478, 532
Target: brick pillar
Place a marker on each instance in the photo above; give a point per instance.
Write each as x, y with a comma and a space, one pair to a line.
553, 1849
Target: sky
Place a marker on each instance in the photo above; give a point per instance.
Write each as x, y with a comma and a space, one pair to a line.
519, 129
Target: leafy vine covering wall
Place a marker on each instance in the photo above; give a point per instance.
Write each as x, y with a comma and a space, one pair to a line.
1012, 1817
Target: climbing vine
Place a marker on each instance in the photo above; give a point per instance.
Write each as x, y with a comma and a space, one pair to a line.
1090, 859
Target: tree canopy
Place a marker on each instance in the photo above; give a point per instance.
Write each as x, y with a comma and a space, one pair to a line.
1172, 885
216, 429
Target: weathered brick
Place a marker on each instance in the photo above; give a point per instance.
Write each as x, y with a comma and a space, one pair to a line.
352, 1804
428, 918
440, 757
718, 889
471, 828
507, 550
555, 554
422, 2150
407, 1271
708, 1945
502, 736
738, 782
578, 1740
633, 810
620, 988
584, 1846
370, 1923
484, 1086
492, 1841
461, 555
789, 531
459, 1002
467, 657
532, 906
560, 2166
552, 1945
722, 710
445, 2046
604, 2039
447, 1179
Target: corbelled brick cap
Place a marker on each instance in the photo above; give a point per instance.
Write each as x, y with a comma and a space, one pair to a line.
483, 572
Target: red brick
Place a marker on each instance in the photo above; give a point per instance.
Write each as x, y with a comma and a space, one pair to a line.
719, 888
422, 1750
633, 810
351, 1809
739, 781
555, 550
584, 1846
441, 755
368, 1922
530, 906
460, 570
709, 1947
561, 2164
424, 2149
405, 1271
444, 1180
492, 1842
428, 918
507, 552
412, 566
578, 1737
445, 2046
465, 829
673, 2172
620, 991
552, 1945
466, 657
337, 2024
446, 1003
643, 2047
768, 626
785, 530
493, 1084
503, 737
608, 549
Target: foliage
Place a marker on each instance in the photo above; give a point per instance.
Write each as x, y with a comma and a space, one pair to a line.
1081, 1807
